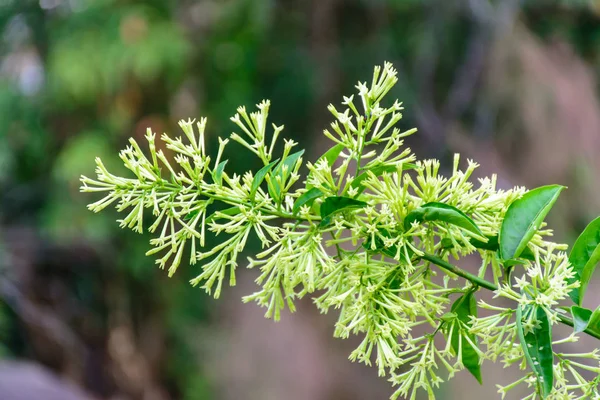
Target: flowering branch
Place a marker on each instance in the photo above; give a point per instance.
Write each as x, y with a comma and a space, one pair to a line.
362, 229
477, 281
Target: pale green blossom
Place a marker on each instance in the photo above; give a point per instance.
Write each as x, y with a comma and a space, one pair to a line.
364, 262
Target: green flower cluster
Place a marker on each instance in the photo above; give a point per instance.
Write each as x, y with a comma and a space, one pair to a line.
370, 231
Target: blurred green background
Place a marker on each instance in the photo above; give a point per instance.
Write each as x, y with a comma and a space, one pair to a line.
83, 313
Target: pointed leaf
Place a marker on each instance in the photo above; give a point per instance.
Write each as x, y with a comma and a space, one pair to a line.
289, 162
260, 177
581, 318
585, 319
594, 323
220, 213
523, 218
335, 204
191, 215
464, 307
443, 213
306, 199
537, 347
380, 245
584, 258
331, 156
218, 172
492, 245
378, 170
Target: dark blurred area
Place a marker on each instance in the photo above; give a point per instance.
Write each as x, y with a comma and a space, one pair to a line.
85, 315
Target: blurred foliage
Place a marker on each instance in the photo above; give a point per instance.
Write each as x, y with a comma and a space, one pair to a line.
78, 77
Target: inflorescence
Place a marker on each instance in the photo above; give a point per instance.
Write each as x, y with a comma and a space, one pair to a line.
353, 234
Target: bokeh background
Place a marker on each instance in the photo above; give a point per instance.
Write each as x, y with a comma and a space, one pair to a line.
85, 315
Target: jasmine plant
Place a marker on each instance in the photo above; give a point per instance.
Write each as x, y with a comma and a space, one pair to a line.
374, 234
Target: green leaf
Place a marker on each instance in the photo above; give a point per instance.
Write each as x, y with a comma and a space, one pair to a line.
260, 177
585, 319
449, 317
492, 245
464, 307
447, 243
306, 199
336, 204
584, 257
443, 213
218, 172
331, 156
523, 218
218, 214
191, 215
581, 318
380, 245
289, 162
378, 171
537, 346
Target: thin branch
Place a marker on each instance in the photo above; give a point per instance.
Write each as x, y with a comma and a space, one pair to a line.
489, 285
457, 271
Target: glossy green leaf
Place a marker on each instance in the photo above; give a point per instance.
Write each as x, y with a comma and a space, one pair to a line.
220, 213
218, 172
380, 245
191, 215
464, 307
289, 162
523, 218
260, 177
378, 170
581, 318
594, 322
287, 165
585, 319
331, 156
443, 213
584, 258
306, 199
492, 245
336, 204
537, 347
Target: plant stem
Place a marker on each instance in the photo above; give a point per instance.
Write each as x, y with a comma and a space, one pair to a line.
488, 285
457, 271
